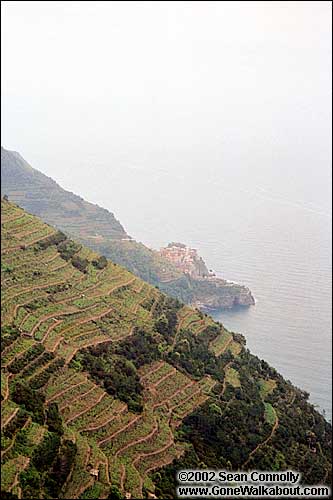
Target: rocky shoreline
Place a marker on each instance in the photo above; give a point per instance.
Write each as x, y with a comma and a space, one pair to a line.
209, 292
226, 296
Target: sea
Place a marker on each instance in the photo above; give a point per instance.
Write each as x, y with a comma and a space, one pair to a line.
268, 230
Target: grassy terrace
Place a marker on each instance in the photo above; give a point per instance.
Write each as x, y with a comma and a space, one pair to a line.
131, 444
99, 370
57, 300
221, 343
266, 387
232, 377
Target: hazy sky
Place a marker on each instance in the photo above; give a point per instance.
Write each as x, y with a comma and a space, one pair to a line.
172, 85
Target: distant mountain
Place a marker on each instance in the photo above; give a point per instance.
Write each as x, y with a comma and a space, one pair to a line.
100, 230
42, 196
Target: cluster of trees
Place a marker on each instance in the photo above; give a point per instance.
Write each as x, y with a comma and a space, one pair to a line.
30, 400
5, 268
52, 459
116, 374
141, 348
42, 378
19, 363
225, 430
16, 423
165, 316
50, 464
80, 263
45, 358
54, 239
192, 354
67, 249
8, 335
100, 263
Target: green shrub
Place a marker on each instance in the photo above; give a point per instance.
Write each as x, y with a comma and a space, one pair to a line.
100, 263
79, 263
54, 239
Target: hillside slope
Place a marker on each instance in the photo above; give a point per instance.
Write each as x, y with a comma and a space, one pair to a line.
105, 380
42, 196
98, 229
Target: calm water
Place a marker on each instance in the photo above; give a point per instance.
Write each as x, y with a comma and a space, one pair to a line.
277, 244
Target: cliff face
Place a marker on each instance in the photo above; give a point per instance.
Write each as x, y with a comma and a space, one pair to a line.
215, 293
98, 229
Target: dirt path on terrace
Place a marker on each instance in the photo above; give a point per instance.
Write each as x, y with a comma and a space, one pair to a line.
16, 480
167, 400
55, 396
260, 445
17, 355
180, 324
167, 375
140, 440
26, 424
37, 287
132, 422
26, 245
94, 343
6, 394
195, 393
149, 454
224, 348
85, 409
74, 325
80, 334
79, 396
202, 328
126, 283
224, 379
159, 365
18, 235
56, 314
8, 348
28, 365
49, 330
105, 422
84, 487
24, 319
40, 369
194, 322
79, 294
11, 218
122, 477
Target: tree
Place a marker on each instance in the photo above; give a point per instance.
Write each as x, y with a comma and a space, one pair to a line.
115, 493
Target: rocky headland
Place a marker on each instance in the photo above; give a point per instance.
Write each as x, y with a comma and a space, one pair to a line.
211, 292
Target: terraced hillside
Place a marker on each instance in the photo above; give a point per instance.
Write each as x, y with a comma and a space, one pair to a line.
98, 229
105, 381
44, 196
